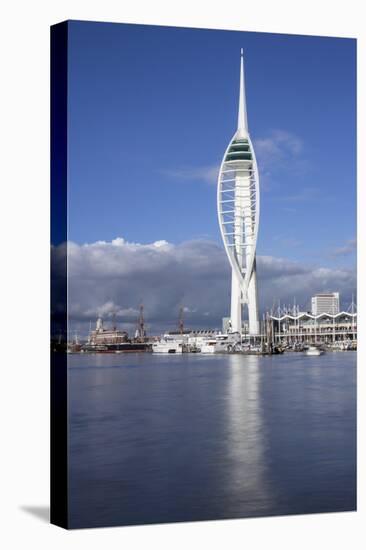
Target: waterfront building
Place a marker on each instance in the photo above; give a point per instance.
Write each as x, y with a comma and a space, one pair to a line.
306, 328
238, 214
325, 303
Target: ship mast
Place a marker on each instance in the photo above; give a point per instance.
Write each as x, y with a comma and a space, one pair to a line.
181, 320
141, 323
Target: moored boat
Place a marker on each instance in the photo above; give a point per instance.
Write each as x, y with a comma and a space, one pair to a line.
209, 346
313, 350
167, 346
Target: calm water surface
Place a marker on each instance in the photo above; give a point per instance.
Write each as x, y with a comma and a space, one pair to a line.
162, 439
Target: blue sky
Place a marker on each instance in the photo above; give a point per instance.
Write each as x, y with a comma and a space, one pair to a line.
151, 111
153, 108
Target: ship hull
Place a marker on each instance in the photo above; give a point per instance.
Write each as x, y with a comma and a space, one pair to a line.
125, 347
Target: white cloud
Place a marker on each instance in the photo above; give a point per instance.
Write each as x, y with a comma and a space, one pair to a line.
118, 241
205, 174
105, 278
279, 152
307, 193
277, 146
349, 248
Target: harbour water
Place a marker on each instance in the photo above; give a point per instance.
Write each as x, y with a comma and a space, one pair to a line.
182, 438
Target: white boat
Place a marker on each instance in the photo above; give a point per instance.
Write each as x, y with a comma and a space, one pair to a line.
227, 342
209, 346
313, 350
342, 346
167, 346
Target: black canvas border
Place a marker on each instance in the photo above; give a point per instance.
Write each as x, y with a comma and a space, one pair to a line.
59, 159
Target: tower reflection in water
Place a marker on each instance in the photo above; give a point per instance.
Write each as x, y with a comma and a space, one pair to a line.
247, 479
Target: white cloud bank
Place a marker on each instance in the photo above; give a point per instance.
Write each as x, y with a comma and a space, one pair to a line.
114, 277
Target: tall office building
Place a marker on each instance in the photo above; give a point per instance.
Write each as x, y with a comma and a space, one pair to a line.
238, 213
325, 303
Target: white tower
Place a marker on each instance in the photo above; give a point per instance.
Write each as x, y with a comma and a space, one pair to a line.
238, 212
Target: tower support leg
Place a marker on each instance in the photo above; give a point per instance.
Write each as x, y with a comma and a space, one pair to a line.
236, 307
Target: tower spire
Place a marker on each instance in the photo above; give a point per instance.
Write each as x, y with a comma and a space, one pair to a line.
242, 112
